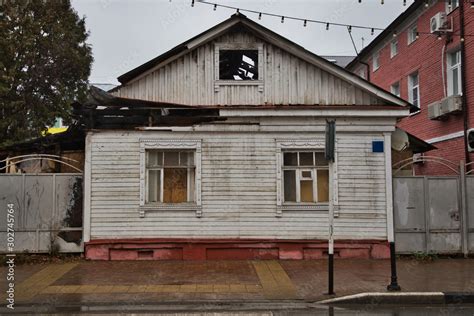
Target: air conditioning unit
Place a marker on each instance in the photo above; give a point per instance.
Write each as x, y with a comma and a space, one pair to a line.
470, 140
418, 158
434, 110
449, 105
438, 22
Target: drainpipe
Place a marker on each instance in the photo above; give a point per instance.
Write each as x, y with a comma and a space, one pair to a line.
463, 80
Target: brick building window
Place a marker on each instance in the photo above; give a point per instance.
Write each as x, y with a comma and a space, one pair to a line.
375, 61
412, 34
414, 89
454, 73
394, 48
395, 89
451, 5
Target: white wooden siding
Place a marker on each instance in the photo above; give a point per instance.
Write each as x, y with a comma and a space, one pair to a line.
287, 80
238, 187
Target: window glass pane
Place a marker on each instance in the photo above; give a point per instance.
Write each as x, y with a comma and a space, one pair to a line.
154, 185
238, 64
319, 159
306, 159
306, 189
323, 185
191, 185
289, 177
455, 81
306, 174
175, 185
183, 158
171, 158
290, 159
154, 158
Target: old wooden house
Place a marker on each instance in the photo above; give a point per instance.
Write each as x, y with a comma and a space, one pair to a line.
229, 162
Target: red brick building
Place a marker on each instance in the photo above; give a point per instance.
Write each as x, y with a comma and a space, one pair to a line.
424, 58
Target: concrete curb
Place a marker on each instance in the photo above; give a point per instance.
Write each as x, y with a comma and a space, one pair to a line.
402, 298
169, 306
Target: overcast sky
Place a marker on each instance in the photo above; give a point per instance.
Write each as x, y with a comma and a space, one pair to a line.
126, 33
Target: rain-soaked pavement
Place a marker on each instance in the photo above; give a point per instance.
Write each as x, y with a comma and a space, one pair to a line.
265, 286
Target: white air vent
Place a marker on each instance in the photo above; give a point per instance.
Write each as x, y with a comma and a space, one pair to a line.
438, 22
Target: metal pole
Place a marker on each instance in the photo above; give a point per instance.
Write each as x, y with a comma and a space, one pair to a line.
393, 286
331, 242
464, 219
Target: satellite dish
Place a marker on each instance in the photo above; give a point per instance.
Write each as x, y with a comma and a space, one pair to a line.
400, 140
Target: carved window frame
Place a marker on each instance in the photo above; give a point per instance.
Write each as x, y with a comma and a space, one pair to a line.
163, 144
238, 46
317, 145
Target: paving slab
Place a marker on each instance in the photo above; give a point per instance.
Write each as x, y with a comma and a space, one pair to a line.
144, 282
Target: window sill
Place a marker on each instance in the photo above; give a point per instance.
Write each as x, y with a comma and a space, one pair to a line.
170, 207
302, 207
218, 83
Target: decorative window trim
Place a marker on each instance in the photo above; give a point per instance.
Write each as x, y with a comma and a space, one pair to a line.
238, 46
312, 144
170, 144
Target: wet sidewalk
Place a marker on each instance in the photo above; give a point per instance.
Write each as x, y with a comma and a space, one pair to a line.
146, 282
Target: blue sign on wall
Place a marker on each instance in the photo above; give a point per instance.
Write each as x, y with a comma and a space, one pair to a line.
377, 146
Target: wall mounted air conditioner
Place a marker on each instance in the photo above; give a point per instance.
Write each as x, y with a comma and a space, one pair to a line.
434, 110
470, 140
438, 22
449, 105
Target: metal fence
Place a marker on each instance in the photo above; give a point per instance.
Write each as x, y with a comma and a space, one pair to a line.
434, 214
47, 212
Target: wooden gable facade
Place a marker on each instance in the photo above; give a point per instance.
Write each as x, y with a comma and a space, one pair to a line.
288, 74
241, 167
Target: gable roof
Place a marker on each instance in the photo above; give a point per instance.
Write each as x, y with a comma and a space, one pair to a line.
268, 36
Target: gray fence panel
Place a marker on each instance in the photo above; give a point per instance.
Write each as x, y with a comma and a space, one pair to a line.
48, 211
409, 213
9, 188
444, 215
427, 214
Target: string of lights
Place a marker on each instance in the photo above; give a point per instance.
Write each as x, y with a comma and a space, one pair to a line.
326, 24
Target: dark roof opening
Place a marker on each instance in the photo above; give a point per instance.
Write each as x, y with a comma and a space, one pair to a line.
238, 65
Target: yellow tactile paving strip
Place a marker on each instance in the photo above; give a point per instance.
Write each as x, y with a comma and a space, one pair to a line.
274, 284
163, 288
41, 280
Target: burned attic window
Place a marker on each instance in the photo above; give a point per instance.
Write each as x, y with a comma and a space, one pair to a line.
238, 65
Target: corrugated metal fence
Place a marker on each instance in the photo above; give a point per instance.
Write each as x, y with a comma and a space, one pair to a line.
47, 212
434, 214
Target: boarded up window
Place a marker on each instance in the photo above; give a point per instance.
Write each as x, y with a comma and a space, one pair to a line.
170, 176
305, 177
238, 65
